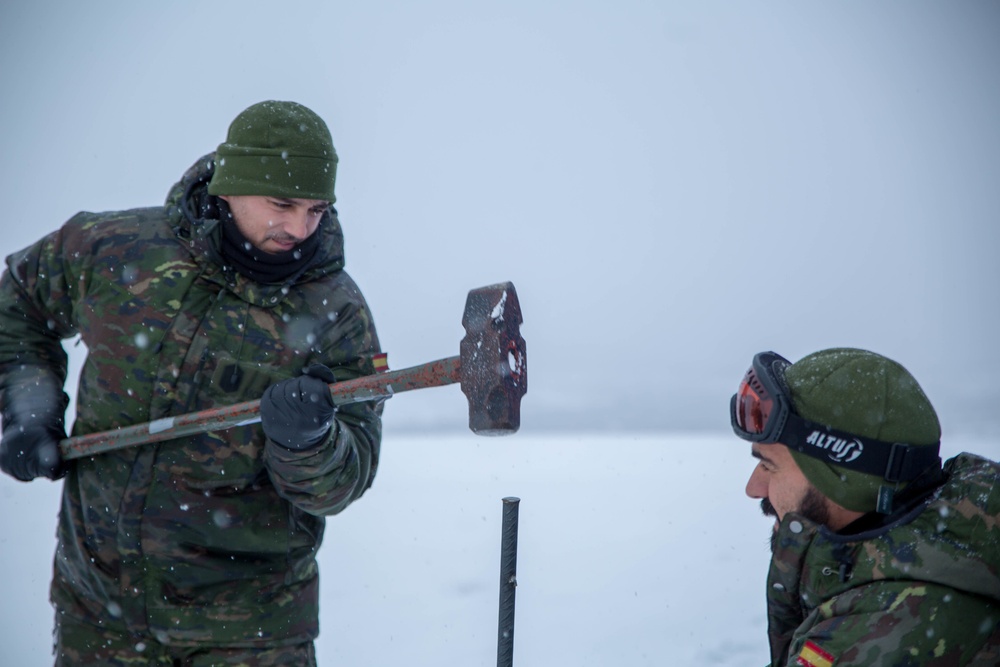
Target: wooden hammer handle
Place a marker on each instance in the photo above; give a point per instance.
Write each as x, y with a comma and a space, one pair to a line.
370, 387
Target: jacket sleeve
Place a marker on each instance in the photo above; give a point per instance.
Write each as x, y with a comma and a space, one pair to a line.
36, 308
852, 641
326, 479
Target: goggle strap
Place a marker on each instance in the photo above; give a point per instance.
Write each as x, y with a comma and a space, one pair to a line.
892, 461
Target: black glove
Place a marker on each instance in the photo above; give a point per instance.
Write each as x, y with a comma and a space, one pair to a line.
27, 452
298, 413
34, 406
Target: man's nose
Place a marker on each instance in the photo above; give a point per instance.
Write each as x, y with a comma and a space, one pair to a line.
297, 224
756, 488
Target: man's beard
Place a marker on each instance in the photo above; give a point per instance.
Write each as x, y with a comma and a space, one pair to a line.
813, 506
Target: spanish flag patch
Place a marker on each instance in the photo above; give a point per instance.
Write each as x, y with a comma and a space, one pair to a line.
381, 362
813, 656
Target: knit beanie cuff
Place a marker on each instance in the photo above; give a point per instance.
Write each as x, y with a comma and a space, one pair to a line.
272, 175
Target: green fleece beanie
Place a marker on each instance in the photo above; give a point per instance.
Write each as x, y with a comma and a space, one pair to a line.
276, 149
865, 394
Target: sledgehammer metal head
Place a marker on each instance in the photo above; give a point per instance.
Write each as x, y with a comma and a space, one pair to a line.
494, 370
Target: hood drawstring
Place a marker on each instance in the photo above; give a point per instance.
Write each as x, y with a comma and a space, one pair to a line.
842, 553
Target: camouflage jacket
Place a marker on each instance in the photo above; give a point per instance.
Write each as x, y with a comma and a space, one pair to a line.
207, 539
922, 590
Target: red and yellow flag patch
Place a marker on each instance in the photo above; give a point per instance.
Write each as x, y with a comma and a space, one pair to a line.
813, 656
381, 362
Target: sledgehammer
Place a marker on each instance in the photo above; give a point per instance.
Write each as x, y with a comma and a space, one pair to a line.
491, 368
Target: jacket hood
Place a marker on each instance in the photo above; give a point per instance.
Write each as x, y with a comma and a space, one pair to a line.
196, 213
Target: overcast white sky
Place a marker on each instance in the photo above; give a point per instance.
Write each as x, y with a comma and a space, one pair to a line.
672, 187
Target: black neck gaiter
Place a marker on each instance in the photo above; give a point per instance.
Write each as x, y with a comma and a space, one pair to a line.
263, 267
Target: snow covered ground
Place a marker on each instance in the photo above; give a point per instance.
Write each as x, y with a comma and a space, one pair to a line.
638, 549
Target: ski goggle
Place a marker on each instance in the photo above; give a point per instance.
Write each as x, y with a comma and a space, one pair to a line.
760, 407
761, 411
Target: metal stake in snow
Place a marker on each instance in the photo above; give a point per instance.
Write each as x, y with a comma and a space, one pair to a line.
508, 582
491, 368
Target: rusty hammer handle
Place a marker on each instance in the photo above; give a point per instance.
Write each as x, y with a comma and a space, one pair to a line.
381, 385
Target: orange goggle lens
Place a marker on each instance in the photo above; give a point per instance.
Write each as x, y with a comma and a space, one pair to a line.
753, 405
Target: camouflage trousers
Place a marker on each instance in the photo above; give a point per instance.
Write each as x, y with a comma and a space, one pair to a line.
79, 644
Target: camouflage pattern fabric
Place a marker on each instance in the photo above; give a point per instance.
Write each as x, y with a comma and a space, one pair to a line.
923, 590
210, 539
78, 643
